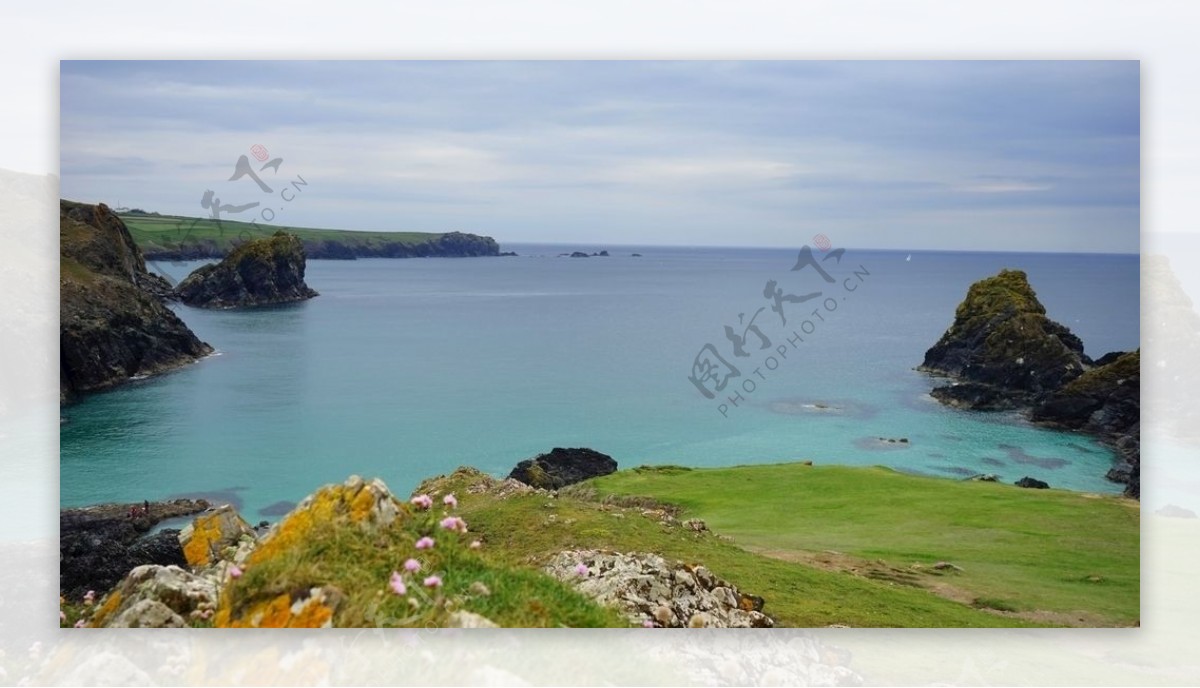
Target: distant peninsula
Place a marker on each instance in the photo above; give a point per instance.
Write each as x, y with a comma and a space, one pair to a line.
174, 237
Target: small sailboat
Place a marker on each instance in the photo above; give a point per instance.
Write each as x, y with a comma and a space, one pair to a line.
908, 258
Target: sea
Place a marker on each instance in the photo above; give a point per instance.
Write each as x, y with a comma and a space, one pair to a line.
406, 369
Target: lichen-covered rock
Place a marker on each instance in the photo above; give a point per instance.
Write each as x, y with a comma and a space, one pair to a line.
112, 325
468, 480
1106, 401
561, 467
157, 597
1002, 341
356, 501
257, 273
648, 588
206, 537
304, 608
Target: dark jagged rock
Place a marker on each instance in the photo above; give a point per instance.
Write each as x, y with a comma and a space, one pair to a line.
1002, 339
98, 545
602, 254
257, 273
635, 255
508, 254
1004, 353
561, 467
1104, 401
112, 323
1032, 483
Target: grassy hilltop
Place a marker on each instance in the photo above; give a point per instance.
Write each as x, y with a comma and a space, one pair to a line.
855, 546
173, 236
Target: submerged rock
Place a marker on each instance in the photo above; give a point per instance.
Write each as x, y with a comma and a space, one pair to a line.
1033, 483
648, 588
113, 326
561, 467
1002, 341
257, 273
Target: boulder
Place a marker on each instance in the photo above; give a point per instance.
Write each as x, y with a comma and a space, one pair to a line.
1033, 483
1001, 339
157, 597
311, 607
206, 537
648, 588
561, 467
260, 272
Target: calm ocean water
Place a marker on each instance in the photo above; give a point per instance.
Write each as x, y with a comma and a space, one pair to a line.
404, 369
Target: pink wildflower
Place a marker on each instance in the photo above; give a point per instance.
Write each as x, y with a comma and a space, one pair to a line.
397, 584
89, 597
433, 582
647, 624
62, 616
581, 569
425, 543
80, 623
450, 500
412, 566
454, 523
475, 544
235, 571
422, 501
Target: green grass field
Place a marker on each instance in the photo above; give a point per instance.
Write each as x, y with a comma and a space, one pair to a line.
1049, 555
154, 233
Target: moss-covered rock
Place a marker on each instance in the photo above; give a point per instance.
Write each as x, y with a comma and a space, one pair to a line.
1106, 401
1002, 341
257, 273
113, 326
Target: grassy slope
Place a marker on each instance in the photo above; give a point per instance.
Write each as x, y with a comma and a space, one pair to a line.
523, 530
167, 231
1032, 550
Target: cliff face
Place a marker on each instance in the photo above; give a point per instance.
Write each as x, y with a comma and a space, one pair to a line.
256, 273
113, 325
1004, 353
1105, 401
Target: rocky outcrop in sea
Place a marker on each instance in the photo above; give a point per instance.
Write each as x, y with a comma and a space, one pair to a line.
113, 325
1002, 352
257, 273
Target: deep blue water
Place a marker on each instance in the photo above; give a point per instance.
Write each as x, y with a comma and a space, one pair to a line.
404, 369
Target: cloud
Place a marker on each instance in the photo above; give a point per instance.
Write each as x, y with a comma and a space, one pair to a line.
649, 152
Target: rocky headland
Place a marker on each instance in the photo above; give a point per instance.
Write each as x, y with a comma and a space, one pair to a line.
1003, 352
113, 324
257, 273
449, 245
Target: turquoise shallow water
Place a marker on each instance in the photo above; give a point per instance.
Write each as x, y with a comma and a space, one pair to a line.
404, 369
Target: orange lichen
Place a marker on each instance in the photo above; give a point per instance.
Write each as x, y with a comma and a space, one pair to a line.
107, 609
206, 530
277, 613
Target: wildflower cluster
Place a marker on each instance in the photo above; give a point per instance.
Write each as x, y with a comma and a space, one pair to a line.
438, 533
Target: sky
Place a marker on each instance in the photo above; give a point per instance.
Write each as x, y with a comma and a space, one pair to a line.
1010, 156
